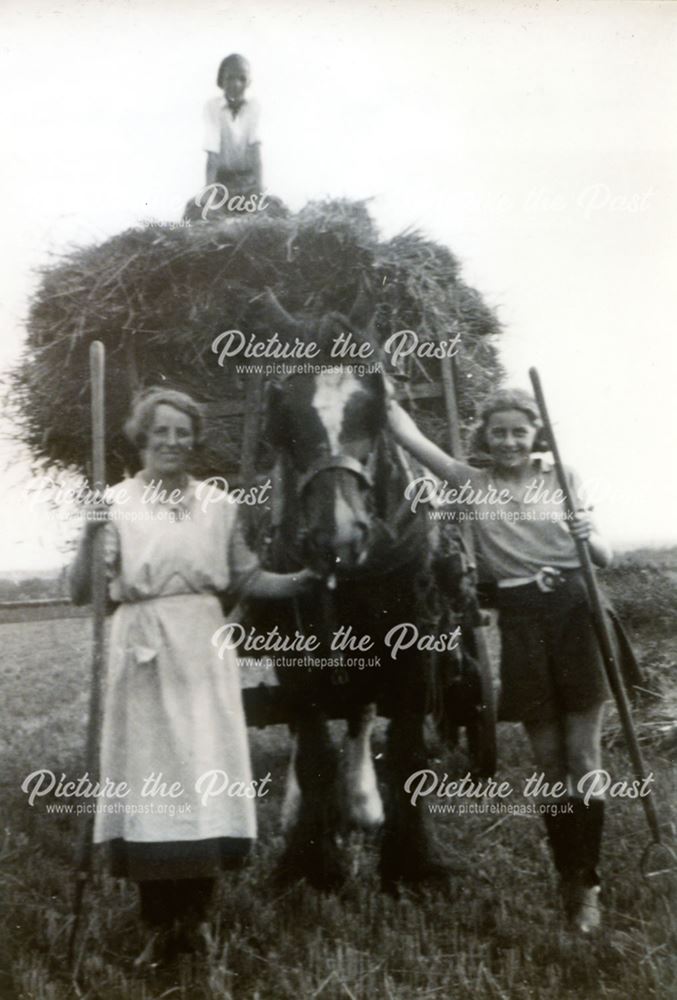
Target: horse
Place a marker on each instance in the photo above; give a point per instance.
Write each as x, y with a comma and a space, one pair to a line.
389, 576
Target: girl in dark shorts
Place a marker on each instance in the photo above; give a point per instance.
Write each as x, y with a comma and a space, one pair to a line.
552, 673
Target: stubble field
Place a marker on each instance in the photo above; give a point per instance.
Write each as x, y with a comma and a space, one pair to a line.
495, 932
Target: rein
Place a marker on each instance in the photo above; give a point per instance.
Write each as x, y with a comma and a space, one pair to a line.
396, 544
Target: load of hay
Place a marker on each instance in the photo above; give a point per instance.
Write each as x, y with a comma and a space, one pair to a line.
158, 297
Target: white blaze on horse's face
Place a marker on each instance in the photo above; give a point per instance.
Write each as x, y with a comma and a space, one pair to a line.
332, 392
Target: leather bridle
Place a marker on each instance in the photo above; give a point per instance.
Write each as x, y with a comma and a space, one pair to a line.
337, 461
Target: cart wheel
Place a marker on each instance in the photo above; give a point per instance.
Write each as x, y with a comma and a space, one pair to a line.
480, 730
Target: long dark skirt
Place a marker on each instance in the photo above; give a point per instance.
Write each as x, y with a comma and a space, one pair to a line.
176, 879
192, 859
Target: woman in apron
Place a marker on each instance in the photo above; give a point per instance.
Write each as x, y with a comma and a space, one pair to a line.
173, 723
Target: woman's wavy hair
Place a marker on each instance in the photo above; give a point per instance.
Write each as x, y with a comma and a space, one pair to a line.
143, 409
508, 399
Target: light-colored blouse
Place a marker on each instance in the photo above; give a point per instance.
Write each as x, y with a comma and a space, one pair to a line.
530, 530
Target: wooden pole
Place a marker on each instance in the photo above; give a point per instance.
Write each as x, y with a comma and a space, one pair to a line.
484, 736
599, 617
252, 414
83, 862
451, 403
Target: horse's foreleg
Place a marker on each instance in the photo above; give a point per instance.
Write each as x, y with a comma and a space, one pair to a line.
292, 794
408, 853
364, 808
312, 849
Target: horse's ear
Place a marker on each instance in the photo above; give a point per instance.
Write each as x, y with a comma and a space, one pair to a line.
362, 309
282, 322
273, 409
382, 387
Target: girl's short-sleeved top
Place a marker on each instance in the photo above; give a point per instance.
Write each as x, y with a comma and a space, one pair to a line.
230, 136
529, 529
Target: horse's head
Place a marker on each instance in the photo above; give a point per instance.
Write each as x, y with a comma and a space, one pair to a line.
328, 425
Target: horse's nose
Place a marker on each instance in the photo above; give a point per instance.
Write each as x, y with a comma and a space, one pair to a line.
321, 542
350, 545
345, 546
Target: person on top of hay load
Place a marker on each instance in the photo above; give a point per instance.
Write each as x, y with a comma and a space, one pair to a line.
173, 724
232, 140
552, 673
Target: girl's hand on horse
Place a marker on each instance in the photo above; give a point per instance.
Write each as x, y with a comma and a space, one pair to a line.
581, 526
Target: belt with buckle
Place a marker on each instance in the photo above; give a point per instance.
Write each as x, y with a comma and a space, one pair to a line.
547, 580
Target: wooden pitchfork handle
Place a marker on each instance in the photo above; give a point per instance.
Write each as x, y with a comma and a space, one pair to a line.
83, 862
600, 619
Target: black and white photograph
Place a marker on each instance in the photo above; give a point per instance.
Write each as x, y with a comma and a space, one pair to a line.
338, 572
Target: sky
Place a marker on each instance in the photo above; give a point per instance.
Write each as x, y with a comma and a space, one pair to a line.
536, 140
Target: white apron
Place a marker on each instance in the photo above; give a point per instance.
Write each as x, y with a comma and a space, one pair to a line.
172, 708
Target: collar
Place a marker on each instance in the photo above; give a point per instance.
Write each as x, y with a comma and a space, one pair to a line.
235, 109
540, 460
543, 461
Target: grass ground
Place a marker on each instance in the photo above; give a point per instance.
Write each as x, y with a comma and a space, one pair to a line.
494, 933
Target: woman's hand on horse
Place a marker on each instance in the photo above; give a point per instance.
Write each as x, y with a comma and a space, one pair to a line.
306, 579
